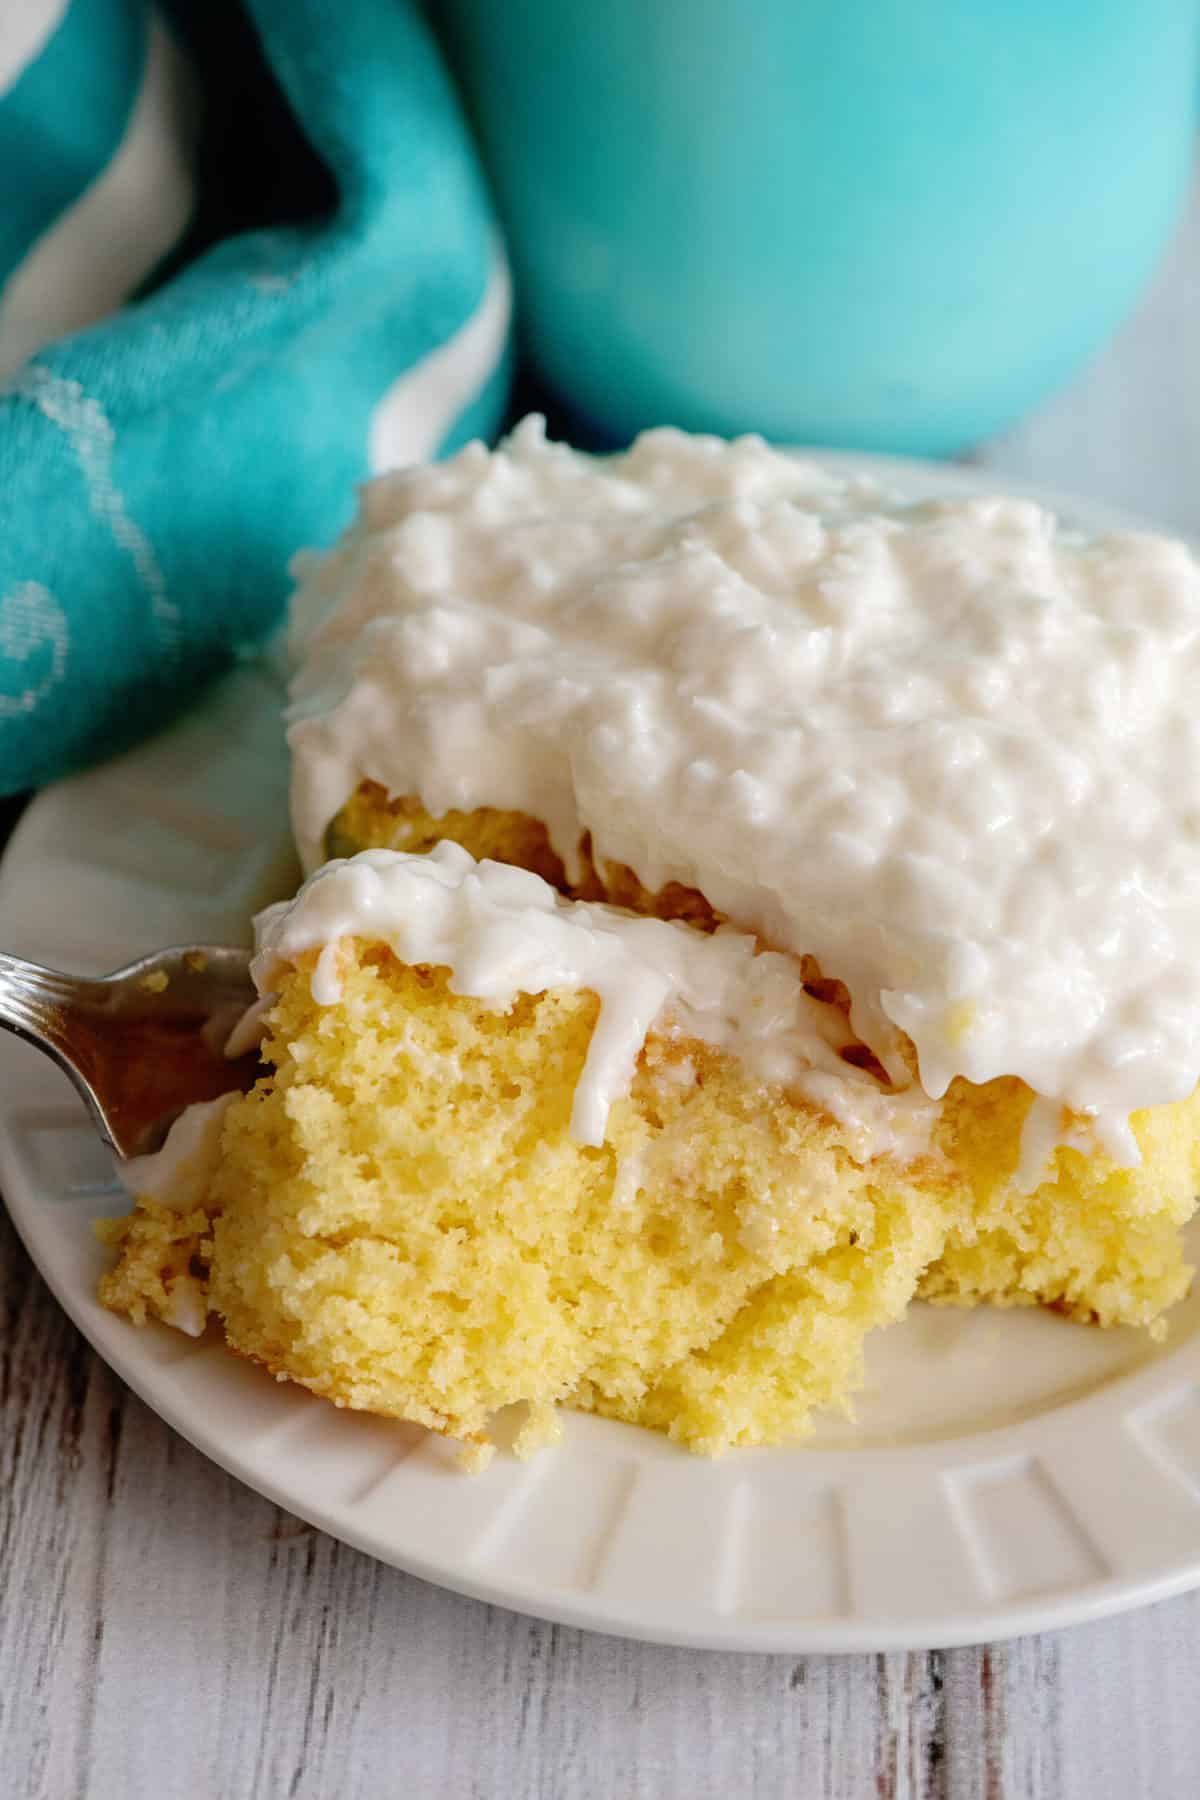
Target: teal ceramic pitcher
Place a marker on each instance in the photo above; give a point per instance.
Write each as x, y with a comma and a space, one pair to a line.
895, 224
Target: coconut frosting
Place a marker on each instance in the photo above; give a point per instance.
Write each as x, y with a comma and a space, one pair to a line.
951, 748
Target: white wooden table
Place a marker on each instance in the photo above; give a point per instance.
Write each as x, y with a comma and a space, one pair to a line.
164, 1632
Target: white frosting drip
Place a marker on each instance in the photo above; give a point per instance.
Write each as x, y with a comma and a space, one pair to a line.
950, 749
178, 1175
186, 1308
502, 931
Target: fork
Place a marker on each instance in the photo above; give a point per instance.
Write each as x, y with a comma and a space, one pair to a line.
140, 1044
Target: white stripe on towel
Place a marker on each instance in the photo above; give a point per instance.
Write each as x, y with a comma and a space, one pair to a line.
104, 246
26, 27
414, 415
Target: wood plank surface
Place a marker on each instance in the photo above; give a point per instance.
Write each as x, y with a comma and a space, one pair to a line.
164, 1632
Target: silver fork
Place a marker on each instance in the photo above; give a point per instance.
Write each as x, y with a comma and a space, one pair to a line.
140, 1044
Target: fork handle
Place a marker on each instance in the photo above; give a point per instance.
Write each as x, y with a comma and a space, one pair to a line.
34, 1002
43, 1007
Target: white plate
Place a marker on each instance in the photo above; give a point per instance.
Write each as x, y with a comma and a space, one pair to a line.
1008, 1472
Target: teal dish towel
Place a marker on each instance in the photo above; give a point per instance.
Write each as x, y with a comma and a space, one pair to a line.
247, 258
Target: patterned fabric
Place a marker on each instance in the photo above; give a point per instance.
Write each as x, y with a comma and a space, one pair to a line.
184, 403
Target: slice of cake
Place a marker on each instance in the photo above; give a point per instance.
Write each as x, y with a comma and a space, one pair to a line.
518, 1149
834, 938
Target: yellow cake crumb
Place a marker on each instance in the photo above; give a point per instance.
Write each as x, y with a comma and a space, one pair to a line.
158, 1249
